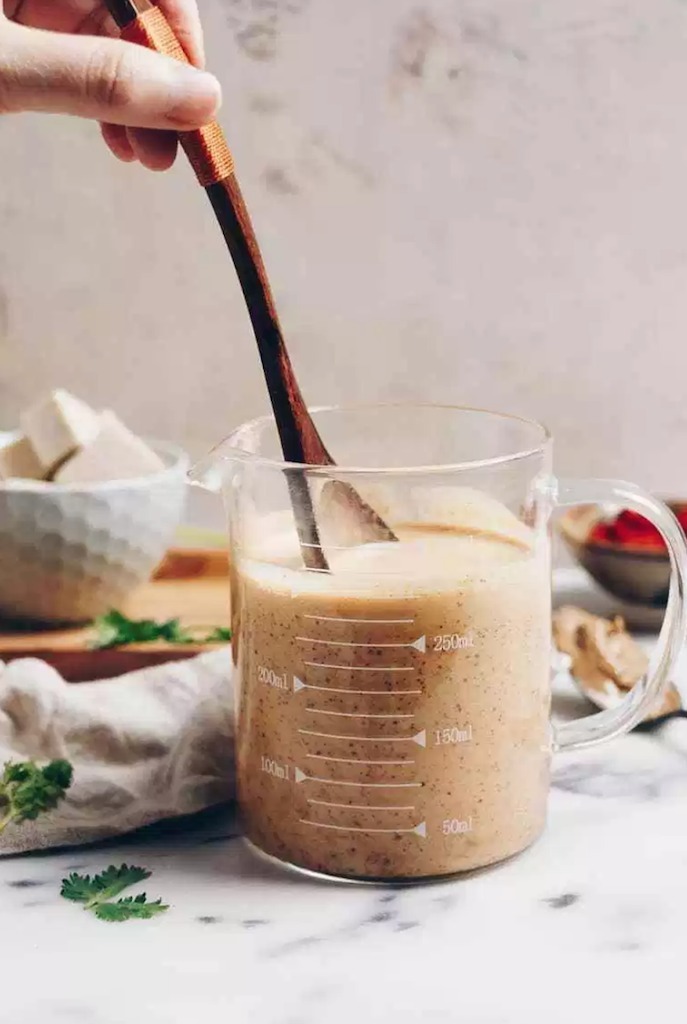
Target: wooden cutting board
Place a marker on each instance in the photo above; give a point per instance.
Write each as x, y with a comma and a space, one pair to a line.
191, 584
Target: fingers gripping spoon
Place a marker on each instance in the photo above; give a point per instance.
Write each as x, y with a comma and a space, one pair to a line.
206, 148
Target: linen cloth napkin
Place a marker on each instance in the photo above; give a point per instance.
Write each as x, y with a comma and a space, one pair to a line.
155, 743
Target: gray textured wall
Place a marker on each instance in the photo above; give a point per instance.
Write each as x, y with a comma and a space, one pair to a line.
473, 201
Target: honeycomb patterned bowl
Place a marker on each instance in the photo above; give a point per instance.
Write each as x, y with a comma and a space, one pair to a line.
69, 553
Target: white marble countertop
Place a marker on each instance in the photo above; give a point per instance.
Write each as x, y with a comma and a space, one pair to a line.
589, 925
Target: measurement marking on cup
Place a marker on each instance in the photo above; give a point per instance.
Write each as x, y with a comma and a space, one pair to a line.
365, 807
420, 738
271, 678
298, 684
376, 622
419, 645
274, 768
452, 734
353, 760
300, 776
360, 668
453, 642
349, 714
419, 830
456, 826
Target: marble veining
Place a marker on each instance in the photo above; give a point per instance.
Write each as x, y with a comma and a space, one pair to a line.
566, 899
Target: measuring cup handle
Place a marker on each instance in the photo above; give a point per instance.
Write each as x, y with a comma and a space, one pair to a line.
605, 725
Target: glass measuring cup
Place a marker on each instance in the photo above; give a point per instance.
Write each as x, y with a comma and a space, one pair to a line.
393, 714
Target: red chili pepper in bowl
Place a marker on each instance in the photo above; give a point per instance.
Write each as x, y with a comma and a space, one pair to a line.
629, 529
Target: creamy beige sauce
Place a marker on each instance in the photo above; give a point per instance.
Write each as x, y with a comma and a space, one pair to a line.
393, 715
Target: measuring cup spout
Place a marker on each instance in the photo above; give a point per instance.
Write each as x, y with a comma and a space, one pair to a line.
215, 469
207, 474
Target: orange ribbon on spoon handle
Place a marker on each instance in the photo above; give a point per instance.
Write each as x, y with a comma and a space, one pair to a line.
206, 147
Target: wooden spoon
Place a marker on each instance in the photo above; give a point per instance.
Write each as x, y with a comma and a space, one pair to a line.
141, 22
606, 662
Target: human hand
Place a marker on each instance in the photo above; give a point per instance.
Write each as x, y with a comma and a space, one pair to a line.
62, 56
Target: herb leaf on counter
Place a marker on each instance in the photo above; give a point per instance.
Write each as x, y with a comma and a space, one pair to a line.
112, 881
77, 888
27, 791
130, 907
96, 894
117, 630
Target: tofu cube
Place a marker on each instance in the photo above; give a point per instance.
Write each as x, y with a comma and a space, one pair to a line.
113, 454
18, 460
57, 426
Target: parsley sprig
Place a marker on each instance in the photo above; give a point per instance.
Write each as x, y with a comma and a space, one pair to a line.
98, 894
27, 791
117, 630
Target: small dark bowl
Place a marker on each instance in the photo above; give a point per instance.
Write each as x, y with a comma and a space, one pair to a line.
631, 573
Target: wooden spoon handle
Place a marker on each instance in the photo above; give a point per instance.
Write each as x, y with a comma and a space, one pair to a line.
206, 148
209, 154
211, 159
141, 22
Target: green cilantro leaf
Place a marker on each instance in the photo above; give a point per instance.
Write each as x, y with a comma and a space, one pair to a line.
105, 886
97, 893
129, 908
219, 635
117, 630
27, 791
78, 888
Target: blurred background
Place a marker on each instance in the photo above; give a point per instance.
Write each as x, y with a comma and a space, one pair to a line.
469, 201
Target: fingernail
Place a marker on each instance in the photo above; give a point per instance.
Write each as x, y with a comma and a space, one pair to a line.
195, 97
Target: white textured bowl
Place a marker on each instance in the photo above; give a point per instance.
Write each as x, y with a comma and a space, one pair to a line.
69, 553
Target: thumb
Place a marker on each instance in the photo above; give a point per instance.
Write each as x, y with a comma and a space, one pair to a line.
105, 79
